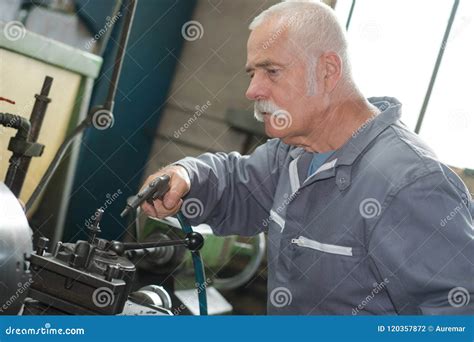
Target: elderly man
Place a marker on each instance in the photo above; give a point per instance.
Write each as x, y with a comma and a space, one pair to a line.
361, 216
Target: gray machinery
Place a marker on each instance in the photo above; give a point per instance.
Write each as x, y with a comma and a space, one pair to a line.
86, 277
15, 248
82, 278
96, 276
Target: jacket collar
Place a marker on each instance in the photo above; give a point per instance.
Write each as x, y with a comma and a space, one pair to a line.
390, 109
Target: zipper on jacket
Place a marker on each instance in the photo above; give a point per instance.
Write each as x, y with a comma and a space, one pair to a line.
322, 247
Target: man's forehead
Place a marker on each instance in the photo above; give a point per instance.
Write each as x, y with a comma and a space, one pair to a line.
274, 54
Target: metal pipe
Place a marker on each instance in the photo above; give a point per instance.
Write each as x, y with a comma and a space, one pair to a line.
36, 119
349, 17
130, 9
130, 13
436, 67
23, 126
17, 122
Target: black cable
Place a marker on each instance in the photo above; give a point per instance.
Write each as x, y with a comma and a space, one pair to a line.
17, 122
23, 127
130, 9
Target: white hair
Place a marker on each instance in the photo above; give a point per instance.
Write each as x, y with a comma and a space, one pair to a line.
313, 26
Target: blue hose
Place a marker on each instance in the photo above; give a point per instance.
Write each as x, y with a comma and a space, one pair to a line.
199, 273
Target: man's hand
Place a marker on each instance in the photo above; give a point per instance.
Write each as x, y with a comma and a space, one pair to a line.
172, 201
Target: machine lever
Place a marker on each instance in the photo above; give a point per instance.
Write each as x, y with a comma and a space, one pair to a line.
155, 190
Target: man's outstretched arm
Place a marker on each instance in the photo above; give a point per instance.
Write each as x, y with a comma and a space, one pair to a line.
230, 192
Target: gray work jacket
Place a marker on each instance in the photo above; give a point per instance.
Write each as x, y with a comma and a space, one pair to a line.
382, 227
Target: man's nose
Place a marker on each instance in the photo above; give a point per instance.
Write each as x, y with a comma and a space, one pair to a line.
257, 89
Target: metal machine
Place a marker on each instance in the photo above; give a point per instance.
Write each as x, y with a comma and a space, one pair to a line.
85, 277
15, 247
97, 276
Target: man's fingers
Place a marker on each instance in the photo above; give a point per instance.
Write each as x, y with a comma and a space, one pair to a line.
171, 199
162, 211
148, 209
178, 188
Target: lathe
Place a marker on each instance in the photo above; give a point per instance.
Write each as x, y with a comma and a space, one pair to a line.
90, 277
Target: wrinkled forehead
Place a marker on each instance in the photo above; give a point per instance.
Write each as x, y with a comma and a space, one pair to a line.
270, 37
271, 41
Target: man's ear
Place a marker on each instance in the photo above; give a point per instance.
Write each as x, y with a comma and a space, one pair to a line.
330, 70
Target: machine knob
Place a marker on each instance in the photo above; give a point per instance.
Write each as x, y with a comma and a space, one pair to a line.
194, 241
42, 245
111, 272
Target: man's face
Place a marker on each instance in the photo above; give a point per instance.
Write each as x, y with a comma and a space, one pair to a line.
279, 83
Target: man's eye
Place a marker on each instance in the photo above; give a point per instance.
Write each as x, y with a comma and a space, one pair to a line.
273, 71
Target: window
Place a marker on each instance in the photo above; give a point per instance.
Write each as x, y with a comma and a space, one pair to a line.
449, 121
394, 46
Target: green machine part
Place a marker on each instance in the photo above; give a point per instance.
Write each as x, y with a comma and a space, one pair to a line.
217, 253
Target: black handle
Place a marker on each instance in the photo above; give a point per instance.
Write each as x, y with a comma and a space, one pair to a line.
193, 241
155, 190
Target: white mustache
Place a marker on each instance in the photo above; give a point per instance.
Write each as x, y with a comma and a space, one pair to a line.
264, 106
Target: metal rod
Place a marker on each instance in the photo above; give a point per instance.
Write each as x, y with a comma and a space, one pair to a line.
105, 38
130, 9
20, 163
22, 125
130, 13
436, 67
143, 245
39, 109
349, 18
